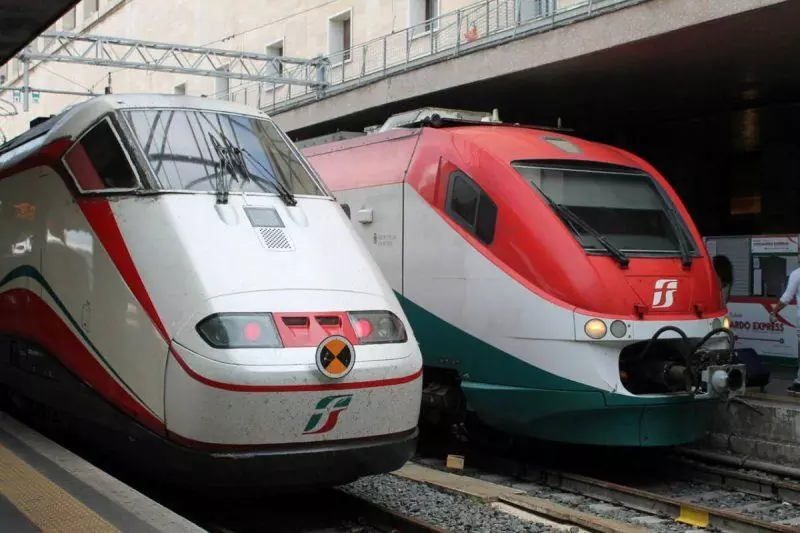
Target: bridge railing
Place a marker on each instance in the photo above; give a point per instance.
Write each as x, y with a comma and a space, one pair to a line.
476, 26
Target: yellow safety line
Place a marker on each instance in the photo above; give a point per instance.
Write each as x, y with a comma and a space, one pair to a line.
45, 504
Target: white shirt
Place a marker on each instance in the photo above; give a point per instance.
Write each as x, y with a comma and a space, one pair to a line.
792, 291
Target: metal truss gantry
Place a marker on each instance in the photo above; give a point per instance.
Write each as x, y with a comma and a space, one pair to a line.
97, 50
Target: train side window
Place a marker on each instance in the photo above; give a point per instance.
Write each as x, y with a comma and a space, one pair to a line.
471, 207
346, 209
98, 162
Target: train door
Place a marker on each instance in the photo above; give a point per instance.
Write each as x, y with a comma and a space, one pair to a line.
86, 262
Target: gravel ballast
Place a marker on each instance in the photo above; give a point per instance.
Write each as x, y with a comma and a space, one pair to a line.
452, 512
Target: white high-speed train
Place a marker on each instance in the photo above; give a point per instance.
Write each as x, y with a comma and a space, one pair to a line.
178, 286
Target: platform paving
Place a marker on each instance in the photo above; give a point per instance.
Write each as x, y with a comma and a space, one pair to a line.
46, 488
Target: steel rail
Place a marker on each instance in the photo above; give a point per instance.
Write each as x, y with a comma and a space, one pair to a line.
650, 502
386, 519
720, 476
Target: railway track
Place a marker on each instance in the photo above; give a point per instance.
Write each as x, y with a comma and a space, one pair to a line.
337, 512
678, 495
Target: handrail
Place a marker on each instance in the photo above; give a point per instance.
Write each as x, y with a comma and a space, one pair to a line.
452, 34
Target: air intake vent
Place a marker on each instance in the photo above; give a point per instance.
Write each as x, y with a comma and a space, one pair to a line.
275, 239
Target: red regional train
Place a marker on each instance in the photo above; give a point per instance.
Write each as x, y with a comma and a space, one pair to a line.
558, 287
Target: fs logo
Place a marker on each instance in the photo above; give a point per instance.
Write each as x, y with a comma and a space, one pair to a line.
663, 296
326, 414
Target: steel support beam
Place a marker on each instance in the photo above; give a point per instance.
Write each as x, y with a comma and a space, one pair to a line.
116, 52
48, 91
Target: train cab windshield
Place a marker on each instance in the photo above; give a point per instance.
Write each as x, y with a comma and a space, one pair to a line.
196, 150
617, 209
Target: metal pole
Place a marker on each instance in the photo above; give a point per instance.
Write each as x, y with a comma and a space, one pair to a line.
431, 30
487, 19
26, 85
408, 44
458, 31
384, 54
363, 60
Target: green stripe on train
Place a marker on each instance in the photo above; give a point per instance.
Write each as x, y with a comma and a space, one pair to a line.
519, 398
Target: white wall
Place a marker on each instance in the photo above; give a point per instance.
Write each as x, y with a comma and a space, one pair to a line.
248, 25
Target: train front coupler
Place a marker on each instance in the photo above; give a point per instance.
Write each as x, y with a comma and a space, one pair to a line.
718, 376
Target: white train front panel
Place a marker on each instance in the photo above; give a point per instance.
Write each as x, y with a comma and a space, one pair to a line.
216, 318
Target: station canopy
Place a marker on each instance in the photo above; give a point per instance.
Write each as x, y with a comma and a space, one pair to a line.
21, 21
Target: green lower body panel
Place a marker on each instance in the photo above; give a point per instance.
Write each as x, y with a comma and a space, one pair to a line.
580, 417
519, 398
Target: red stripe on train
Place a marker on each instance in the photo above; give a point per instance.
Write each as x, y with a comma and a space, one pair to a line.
312, 387
25, 314
101, 218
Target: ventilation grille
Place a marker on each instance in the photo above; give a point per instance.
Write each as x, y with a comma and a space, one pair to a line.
275, 239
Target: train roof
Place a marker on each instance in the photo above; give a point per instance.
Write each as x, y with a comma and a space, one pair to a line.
507, 142
511, 143
73, 120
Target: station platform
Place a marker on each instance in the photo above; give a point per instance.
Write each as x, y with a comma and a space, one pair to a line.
766, 427
46, 488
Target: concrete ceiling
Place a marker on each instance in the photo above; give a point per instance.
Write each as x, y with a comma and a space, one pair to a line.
22, 20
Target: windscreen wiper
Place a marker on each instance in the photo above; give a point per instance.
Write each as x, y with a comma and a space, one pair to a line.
232, 157
567, 213
222, 187
686, 256
285, 194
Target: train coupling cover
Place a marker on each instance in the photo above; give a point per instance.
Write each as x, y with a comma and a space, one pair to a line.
723, 381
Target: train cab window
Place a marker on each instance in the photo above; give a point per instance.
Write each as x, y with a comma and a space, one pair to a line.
98, 161
471, 207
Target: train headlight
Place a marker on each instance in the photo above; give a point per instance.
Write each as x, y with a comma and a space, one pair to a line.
240, 330
724, 322
595, 328
378, 327
619, 329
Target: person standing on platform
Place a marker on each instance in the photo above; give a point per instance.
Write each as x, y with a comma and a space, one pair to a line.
792, 292
724, 269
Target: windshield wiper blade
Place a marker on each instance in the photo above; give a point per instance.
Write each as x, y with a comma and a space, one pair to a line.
285, 194
231, 156
686, 256
222, 187
616, 252
565, 211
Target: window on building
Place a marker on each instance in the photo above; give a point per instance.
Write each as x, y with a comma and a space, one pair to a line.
275, 49
90, 7
180, 88
68, 21
421, 14
98, 161
471, 207
339, 35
